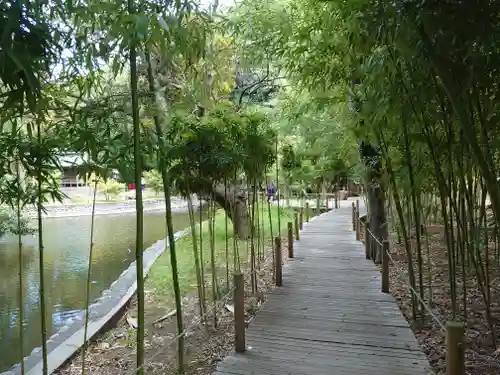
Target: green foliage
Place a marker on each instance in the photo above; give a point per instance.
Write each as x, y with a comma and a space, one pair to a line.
290, 161
153, 180
216, 147
109, 186
25, 54
9, 223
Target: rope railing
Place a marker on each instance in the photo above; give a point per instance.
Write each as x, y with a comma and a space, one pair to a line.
417, 295
374, 237
323, 199
454, 331
187, 330
218, 305
238, 294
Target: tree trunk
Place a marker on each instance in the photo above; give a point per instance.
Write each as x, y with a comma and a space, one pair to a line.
377, 219
234, 202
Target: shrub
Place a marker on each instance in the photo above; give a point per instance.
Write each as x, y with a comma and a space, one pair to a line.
109, 187
153, 180
9, 225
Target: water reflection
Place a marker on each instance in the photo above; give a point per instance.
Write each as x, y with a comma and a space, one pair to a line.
66, 254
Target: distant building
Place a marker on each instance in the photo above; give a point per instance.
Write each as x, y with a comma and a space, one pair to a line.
72, 172
71, 164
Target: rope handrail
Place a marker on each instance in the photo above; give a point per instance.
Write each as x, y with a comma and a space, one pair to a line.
415, 293
261, 261
201, 318
374, 237
194, 324
314, 195
362, 223
454, 330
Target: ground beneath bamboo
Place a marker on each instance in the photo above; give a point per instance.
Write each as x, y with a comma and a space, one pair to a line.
205, 345
482, 358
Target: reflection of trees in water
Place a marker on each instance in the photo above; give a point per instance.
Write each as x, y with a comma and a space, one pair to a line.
64, 289
10, 342
63, 298
9, 333
66, 260
9, 274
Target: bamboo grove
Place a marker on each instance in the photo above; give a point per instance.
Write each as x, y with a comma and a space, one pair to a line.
149, 87
418, 79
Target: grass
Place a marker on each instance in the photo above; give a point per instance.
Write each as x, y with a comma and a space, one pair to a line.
160, 276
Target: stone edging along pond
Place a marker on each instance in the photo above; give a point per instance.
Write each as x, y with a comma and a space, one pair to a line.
102, 208
69, 339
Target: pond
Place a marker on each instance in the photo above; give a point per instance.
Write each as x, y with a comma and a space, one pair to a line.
66, 242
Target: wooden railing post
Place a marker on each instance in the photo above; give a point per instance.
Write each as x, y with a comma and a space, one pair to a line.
357, 220
385, 266
358, 229
308, 213
297, 236
301, 219
455, 359
336, 199
239, 312
326, 202
353, 216
367, 241
290, 239
279, 262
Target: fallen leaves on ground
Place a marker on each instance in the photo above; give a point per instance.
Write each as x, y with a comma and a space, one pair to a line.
481, 356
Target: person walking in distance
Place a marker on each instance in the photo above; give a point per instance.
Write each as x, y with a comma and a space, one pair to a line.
271, 190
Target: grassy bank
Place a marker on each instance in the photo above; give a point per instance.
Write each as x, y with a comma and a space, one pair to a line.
160, 276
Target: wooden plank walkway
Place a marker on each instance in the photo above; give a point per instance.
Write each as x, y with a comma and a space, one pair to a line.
329, 317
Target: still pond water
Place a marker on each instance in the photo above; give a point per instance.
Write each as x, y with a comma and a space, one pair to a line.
66, 242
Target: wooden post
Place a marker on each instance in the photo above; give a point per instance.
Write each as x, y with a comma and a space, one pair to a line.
385, 266
279, 262
326, 202
357, 221
455, 359
353, 217
239, 312
290, 239
307, 212
301, 219
336, 199
358, 237
367, 241
297, 236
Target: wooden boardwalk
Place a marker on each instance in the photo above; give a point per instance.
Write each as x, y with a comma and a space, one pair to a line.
329, 317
